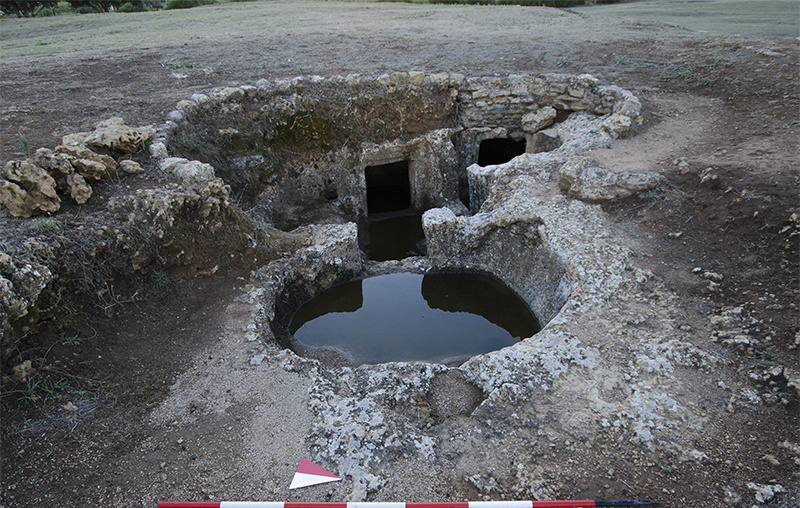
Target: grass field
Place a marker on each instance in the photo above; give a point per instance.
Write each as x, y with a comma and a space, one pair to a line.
754, 18
25, 38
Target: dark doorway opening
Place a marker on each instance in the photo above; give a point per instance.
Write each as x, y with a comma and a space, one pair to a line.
499, 150
394, 228
388, 187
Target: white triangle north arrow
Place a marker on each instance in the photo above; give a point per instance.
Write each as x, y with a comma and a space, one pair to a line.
311, 474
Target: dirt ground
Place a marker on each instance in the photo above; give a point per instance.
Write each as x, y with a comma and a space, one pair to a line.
722, 125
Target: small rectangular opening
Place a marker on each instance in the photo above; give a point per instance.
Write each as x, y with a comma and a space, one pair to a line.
393, 228
388, 187
499, 150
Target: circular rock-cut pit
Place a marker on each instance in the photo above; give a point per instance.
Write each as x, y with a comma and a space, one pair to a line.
297, 155
314, 151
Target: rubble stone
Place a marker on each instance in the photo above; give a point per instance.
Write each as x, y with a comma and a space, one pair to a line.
112, 135
131, 167
538, 120
27, 189
67, 180
90, 164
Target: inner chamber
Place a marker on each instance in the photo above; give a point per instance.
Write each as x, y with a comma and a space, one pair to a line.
394, 227
499, 150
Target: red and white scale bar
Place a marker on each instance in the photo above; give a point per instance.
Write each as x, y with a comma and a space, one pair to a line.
577, 503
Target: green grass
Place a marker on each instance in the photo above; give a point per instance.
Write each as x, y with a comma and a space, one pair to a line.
527, 3
22, 39
160, 279
755, 18
73, 340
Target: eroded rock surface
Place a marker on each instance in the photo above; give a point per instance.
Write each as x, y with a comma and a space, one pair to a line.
21, 282
585, 179
90, 164
68, 181
27, 189
113, 135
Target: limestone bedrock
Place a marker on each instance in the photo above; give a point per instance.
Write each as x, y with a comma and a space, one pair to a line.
562, 385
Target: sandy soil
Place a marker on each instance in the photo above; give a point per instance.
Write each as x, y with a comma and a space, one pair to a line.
168, 405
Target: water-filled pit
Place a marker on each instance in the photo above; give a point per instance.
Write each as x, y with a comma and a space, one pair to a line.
404, 158
443, 318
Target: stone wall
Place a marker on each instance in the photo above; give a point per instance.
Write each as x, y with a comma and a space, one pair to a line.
296, 149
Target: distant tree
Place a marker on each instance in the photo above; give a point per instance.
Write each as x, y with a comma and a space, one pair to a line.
25, 8
95, 5
31, 8
187, 4
136, 6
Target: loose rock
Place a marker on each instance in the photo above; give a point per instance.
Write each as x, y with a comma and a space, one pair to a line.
91, 165
131, 167
20, 373
27, 189
113, 135
585, 179
62, 171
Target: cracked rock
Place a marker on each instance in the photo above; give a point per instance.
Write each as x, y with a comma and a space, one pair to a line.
585, 179
27, 189
90, 164
113, 135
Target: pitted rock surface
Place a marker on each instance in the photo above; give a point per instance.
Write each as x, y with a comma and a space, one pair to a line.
112, 135
603, 368
26, 189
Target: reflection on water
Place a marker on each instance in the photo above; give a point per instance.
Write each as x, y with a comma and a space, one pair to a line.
396, 237
408, 317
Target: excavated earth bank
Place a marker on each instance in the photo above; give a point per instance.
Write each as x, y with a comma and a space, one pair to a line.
615, 371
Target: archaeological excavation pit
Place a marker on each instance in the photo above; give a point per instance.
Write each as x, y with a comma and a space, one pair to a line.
385, 179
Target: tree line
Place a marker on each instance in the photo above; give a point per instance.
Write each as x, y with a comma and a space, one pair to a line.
31, 8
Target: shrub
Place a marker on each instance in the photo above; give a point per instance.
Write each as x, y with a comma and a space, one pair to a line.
186, 4
91, 6
24, 8
53, 8
133, 7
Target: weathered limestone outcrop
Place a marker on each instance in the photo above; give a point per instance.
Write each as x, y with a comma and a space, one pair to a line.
170, 224
21, 282
186, 170
112, 135
27, 189
68, 181
584, 178
90, 164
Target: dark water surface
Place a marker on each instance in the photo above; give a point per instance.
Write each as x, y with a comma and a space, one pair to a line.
396, 238
408, 317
